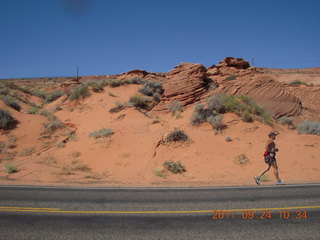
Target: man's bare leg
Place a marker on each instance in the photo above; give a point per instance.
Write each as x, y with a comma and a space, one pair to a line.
264, 171
275, 170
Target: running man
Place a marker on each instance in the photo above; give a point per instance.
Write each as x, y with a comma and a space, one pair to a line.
270, 159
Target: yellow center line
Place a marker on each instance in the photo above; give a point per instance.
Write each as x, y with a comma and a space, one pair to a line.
57, 210
23, 208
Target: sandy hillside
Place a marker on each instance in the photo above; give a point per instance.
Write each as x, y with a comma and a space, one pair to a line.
54, 144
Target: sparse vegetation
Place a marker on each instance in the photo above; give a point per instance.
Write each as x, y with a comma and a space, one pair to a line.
231, 78
174, 167
297, 83
149, 88
158, 171
228, 139
177, 136
102, 133
33, 110
11, 143
117, 108
52, 126
200, 114
27, 151
9, 168
216, 103
61, 145
11, 102
139, 102
286, 121
79, 92
75, 154
53, 96
96, 86
242, 160
7, 122
76, 165
175, 107
216, 122
156, 97
309, 127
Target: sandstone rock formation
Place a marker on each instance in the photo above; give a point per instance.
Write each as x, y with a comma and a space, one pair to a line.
185, 83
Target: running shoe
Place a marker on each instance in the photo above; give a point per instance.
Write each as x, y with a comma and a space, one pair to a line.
257, 179
279, 182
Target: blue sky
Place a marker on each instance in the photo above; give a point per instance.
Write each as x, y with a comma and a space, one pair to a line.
52, 37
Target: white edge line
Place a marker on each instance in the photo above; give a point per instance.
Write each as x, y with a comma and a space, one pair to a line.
160, 188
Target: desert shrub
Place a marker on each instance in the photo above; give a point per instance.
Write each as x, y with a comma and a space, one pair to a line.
177, 136
39, 94
53, 96
297, 83
114, 82
96, 86
52, 126
156, 97
48, 115
102, 133
158, 171
27, 151
33, 110
175, 107
7, 122
79, 92
246, 116
137, 80
3, 89
11, 102
12, 141
149, 88
61, 145
174, 167
216, 122
117, 108
216, 102
200, 114
228, 139
139, 102
231, 78
285, 121
9, 168
242, 160
309, 127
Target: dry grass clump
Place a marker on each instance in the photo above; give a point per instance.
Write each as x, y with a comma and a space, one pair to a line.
177, 136
242, 160
102, 133
27, 151
75, 165
309, 127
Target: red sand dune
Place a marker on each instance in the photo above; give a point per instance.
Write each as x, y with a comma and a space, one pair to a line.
134, 154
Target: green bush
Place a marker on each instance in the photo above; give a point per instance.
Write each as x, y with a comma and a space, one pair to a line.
174, 167
177, 136
149, 88
79, 92
139, 102
102, 133
11, 102
309, 127
246, 116
33, 110
39, 94
200, 115
285, 121
216, 122
217, 102
7, 122
96, 86
53, 125
53, 96
10, 168
156, 97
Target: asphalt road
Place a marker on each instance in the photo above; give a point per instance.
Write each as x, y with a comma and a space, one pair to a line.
277, 212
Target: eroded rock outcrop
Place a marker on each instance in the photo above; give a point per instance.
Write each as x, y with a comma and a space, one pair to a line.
185, 83
267, 92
